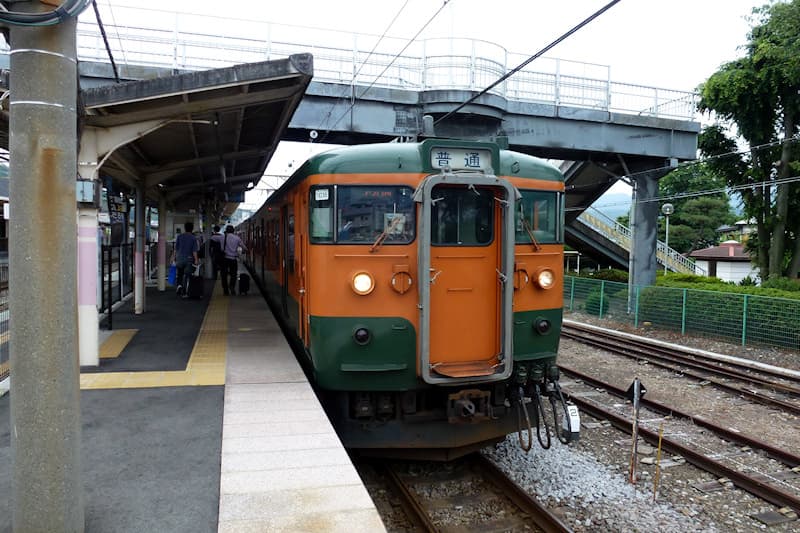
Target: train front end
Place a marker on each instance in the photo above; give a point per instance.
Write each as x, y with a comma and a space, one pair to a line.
451, 340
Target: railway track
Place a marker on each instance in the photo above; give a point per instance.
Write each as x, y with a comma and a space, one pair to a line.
761, 384
779, 486
467, 495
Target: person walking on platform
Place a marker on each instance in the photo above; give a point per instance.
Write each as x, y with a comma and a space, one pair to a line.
231, 243
185, 256
215, 250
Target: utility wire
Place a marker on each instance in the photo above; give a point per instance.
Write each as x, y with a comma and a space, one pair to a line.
355, 76
105, 40
726, 189
527, 61
352, 104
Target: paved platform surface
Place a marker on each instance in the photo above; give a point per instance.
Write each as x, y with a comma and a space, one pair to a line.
211, 431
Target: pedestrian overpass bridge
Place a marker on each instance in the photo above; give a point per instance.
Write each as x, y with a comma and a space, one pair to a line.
363, 90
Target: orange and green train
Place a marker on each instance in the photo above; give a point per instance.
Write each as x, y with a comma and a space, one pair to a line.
422, 283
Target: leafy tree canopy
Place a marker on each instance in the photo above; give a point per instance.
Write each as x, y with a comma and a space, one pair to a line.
759, 94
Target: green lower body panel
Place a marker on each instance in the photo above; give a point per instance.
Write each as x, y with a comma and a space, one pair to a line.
531, 344
387, 360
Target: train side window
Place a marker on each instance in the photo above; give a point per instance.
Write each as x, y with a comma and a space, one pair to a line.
321, 214
462, 217
537, 213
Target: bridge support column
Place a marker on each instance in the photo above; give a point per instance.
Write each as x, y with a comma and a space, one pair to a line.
644, 224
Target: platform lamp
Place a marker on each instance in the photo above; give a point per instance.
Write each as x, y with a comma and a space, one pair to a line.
667, 209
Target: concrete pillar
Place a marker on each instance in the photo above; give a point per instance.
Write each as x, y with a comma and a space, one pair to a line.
138, 254
645, 230
47, 492
162, 242
88, 269
88, 266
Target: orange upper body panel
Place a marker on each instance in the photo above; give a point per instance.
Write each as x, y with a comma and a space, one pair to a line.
320, 275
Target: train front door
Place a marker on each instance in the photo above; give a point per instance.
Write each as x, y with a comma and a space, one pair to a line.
465, 291
465, 262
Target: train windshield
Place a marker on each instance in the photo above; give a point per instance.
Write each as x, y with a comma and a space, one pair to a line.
462, 216
538, 215
362, 213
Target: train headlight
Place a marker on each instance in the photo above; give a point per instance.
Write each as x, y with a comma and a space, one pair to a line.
545, 278
363, 283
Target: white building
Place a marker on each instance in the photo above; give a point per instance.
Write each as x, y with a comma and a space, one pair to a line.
728, 262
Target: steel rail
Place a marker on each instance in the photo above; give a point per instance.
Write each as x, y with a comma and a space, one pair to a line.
654, 359
694, 359
784, 456
756, 487
543, 518
540, 516
414, 509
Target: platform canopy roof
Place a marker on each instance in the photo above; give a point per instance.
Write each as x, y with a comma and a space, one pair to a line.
201, 138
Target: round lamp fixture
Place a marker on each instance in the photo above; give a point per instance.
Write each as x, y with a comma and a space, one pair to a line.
363, 283
545, 278
361, 336
542, 326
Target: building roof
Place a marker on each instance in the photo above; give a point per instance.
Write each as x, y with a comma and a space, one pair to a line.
730, 251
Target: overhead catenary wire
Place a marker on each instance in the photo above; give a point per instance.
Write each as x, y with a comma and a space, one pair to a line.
525, 63
375, 47
397, 55
105, 40
708, 192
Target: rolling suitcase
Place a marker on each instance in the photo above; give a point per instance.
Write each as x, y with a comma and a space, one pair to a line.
195, 284
244, 283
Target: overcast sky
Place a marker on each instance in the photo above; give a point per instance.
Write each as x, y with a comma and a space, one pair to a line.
673, 44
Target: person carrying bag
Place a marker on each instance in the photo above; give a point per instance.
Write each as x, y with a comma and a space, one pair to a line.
231, 243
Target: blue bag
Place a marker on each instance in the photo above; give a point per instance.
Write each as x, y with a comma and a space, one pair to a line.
172, 274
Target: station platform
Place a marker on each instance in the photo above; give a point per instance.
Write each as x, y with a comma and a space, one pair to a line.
199, 418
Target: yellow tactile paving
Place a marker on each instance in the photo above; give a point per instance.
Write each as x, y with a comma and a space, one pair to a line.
206, 364
117, 342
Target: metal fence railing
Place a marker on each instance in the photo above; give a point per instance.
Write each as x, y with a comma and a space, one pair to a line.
116, 277
161, 38
740, 318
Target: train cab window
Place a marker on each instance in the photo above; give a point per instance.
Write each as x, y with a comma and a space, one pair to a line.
364, 213
537, 214
462, 216
321, 215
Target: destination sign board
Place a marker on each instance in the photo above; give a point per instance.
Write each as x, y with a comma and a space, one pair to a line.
461, 158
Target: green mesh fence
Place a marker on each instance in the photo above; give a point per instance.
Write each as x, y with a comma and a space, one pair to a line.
742, 318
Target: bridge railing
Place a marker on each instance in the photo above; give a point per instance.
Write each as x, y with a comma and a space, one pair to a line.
621, 235
195, 42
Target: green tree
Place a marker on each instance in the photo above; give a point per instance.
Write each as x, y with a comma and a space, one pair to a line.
696, 218
760, 95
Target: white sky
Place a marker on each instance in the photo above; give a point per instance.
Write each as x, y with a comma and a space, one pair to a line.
673, 44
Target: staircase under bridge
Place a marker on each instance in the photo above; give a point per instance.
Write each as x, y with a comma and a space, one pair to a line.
593, 233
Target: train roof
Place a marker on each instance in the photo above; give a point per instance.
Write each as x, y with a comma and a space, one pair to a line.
416, 158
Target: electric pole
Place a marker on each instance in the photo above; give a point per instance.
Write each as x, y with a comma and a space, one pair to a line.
43, 301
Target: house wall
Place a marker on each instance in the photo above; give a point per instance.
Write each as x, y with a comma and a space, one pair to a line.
734, 271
